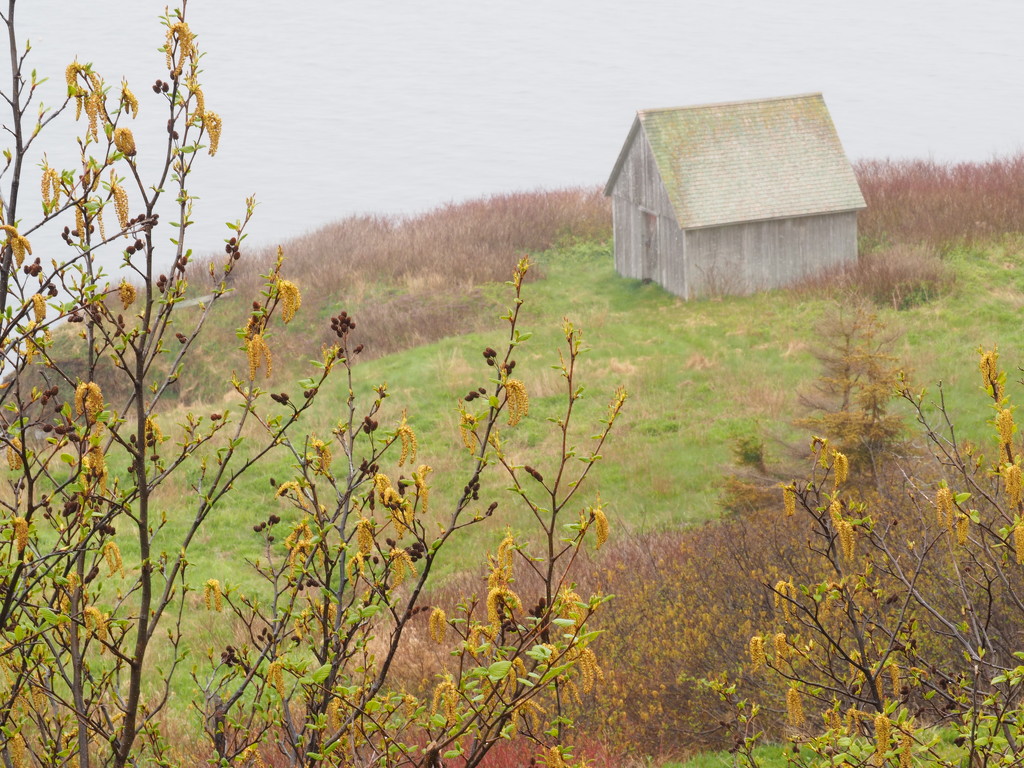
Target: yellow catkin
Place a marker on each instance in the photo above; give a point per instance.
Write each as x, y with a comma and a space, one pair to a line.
781, 646
80, 222
93, 105
179, 35
832, 720
438, 625
419, 477
1012, 477
553, 758
445, 700
127, 294
49, 187
789, 500
467, 425
571, 606
944, 507
200, 97
94, 464
259, 355
381, 484
355, 567
402, 514
213, 595
20, 525
1018, 541
112, 555
275, 677
120, 197
531, 712
71, 75
883, 727
500, 599
39, 307
1005, 425
14, 450
129, 100
291, 299
794, 707
322, 457
835, 511
757, 655
518, 401
840, 467
334, 714
214, 125
600, 523
154, 435
894, 680
99, 220
96, 621
401, 566
502, 570
963, 527
846, 539
590, 671
364, 536
124, 141
989, 366
19, 752
19, 245
783, 591
88, 399
409, 444
293, 487
906, 750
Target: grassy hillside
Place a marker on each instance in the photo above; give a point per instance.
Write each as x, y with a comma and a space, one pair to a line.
703, 375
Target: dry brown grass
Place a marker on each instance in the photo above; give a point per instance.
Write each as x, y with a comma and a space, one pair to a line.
412, 280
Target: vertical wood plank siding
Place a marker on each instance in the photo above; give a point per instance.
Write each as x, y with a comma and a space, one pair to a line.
762, 255
639, 190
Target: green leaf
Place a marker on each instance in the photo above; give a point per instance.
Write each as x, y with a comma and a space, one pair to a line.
498, 670
321, 674
52, 618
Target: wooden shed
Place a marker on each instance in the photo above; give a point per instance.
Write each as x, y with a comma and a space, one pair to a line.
733, 198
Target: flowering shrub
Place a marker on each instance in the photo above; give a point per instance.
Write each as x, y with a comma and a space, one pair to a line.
96, 580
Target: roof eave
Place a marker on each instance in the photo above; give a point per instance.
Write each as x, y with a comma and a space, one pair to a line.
734, 222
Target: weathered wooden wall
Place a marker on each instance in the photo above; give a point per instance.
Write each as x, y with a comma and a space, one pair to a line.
642, 251
762, 255
732, 259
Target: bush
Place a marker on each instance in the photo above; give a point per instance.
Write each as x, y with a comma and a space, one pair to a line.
939, 205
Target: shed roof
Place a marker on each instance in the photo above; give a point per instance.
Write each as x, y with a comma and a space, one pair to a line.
747, 160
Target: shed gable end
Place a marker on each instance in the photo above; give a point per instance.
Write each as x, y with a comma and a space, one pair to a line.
638, 179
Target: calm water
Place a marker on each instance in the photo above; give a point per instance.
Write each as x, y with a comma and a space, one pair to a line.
337, 107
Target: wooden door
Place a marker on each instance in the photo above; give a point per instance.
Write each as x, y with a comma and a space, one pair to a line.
650, 250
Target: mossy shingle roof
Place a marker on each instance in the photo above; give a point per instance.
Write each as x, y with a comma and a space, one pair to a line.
744, 161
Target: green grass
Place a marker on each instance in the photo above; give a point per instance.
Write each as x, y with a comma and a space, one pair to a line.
766, 756
701, 375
